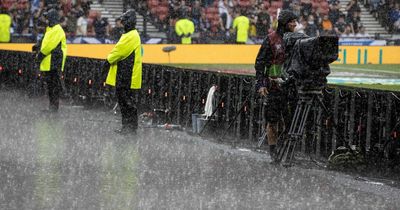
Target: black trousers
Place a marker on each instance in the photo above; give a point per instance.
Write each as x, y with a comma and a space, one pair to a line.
128, 103
54, 88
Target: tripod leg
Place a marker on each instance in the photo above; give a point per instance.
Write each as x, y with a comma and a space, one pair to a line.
289, 161
262, 138
297, 126
295, 117
304, 119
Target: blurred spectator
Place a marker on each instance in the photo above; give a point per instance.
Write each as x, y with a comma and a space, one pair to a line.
352, 9
206, 3
362, 34
118, 30
306, 8
66, 6
348, 33
296, 9
334, 13
311, 28
355, 23
394, 18
20, 18
35, 4
241, 26
286, 5
82, 25
340, 26
86, 5
263, 22
101, 26
224, 13
183, 10
218, 29
330, 2
374, 5
196, 13
327, 25
72, 19
205, 28
126, 4
52, 3
39, 23
5, 25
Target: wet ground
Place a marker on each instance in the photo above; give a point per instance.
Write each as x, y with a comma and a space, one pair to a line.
73, 160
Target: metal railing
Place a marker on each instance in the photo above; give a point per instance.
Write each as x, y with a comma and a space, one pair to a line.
365, 118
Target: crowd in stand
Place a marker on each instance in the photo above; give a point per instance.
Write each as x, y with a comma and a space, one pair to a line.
213, 19
315, 16
77, 18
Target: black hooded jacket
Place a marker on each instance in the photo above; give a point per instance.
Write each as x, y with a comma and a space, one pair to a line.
264, 57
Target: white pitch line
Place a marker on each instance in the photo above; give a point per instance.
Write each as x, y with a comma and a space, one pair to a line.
369, 70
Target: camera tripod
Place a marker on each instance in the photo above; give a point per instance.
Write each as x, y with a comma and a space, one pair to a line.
307, 101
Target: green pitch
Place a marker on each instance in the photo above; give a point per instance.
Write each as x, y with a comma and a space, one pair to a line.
370, 75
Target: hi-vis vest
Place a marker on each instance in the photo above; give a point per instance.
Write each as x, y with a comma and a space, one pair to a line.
184, 27
128, 43
54, 47
241, 24
5, 24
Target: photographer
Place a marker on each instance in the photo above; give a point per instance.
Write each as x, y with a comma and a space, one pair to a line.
268, 65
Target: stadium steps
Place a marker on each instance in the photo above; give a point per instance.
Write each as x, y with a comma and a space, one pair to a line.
372, 26
112, 9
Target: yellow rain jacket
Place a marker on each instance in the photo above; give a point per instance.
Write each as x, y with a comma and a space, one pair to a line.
241, 24
54, 48
5, 24
185, 27
126, 61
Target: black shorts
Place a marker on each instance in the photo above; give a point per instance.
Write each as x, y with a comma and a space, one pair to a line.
275, 106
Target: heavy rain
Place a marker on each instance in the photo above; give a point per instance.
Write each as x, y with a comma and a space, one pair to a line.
205, 104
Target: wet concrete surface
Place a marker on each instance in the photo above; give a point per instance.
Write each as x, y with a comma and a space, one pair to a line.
73, 160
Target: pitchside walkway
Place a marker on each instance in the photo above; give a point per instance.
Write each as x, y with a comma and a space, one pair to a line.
73, 160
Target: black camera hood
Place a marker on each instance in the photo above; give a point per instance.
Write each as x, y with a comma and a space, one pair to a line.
320, 50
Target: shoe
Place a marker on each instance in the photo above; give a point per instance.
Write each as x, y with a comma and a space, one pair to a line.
126, 131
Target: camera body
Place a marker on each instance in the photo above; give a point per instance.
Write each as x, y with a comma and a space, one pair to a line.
308, 59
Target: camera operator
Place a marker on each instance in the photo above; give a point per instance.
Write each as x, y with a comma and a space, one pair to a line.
268, 65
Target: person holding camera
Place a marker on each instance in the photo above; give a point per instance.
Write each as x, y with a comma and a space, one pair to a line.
124, 65
268, 64
51, 54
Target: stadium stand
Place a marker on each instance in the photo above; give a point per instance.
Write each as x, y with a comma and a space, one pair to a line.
213, 19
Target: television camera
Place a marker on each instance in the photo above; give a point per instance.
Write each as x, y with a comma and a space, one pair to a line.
307, 67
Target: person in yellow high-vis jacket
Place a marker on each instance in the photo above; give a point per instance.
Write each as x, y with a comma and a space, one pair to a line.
52, 53
241, 25
184, 28
125, 72
5, 25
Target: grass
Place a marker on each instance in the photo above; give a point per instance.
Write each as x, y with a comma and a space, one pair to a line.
388, 71
390, 68
395, 88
